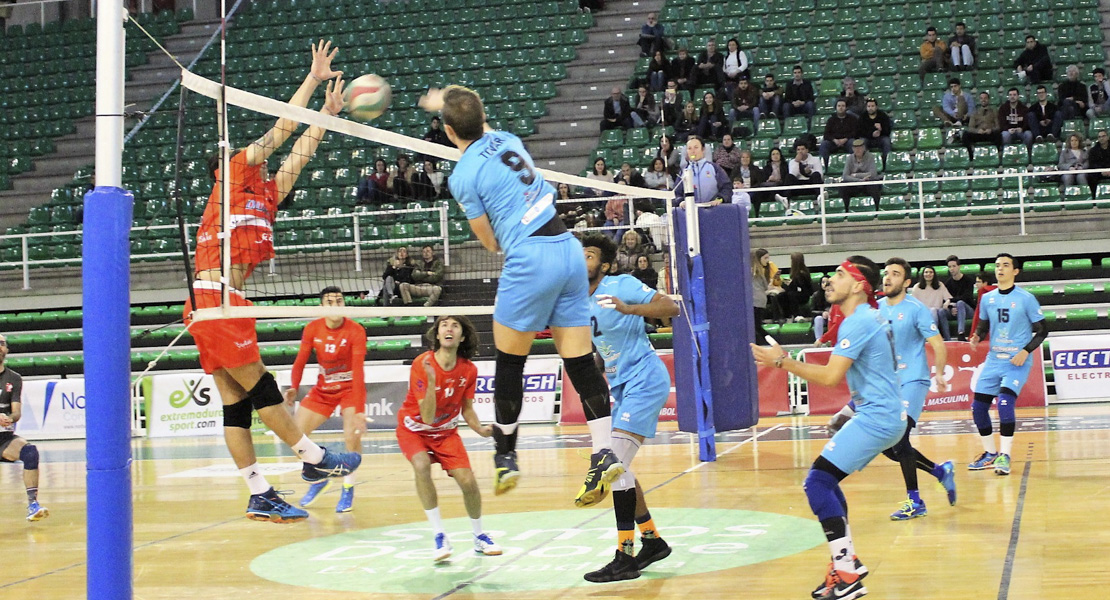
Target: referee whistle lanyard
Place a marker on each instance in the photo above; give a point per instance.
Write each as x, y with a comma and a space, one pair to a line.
854, 271
698, 318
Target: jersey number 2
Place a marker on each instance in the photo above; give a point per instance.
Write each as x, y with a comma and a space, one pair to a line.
517, 163
594, 327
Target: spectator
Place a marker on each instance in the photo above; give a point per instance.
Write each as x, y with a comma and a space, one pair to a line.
670, 156
745, 103
800, 97
1034, 63
645, 272
644, 112
1012, 120
761, 286
436, 135
374, 188
962, 46
770, 97
651, 36
710, 66
736, 66
1073, 157
1099, 158
1098, 95
618, 112
616, 216
874, 128
1043, 118
650, 226
955, 105
856, 103
983, 126
687, 123
747, 173
962, 289
839, 131
664, 285
775, 174
630, 176
804, 169
600, 172
1072, 94
672, 106
427, 278
984, 282
570, 211
401, 179
710, 181
819, 308
428, 184
934, 53
398, 270
588, 6
657, 177
683, 70
935, 297
631, 247
727, 155
860, 167
711, 122
797, 289
659, 71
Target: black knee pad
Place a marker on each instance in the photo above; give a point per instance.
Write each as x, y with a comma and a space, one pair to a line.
238, 415
265, 393
29, 454
591, 385
508, 386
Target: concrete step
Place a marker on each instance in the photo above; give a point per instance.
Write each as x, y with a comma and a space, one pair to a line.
548, 149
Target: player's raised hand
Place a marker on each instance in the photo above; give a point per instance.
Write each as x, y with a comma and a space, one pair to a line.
767, 356
432, 101
606, 301
429, 369
333, 98
322, 55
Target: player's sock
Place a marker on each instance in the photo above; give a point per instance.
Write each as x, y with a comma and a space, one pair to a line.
915, 495
348, 480
308, 451
601, 431
476, 526
840, 543
988, 444
1007, 443
508, 398
848, 534
647, 526
256, 482
504, 437
624, 507
33, 495
594, 391
435, 520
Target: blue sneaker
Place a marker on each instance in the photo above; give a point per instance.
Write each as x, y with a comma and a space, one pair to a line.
314, 492
984, 462
36, 512
346, 499
1002, 464
948, 480
334, 464
911, 509
270, 506
443, 548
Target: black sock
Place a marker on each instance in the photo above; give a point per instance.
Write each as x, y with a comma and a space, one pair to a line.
624, 508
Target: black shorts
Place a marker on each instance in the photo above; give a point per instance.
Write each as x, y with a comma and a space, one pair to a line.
6, 438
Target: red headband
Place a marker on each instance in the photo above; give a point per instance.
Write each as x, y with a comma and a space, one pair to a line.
854, 271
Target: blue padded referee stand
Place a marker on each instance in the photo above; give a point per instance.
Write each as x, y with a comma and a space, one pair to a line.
715, 375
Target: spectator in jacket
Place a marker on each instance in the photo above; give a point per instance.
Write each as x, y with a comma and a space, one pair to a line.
1043, 118
435, 135
727, 155
651, 35
659, 71
800, 97
683, 71
616, 216
427, 277
874, 128
670, 155
618, 111
1098, 95
710, 181
775, 173
398, 270
644, 111
711, 122
770, 97
860, 167
711, 66
797, 289
657, 177
804, 169
1013, 120
374, 188
935, 297
645, 272
631, 247
934, 54
736, 66
687, 123
600, 172
962, 47
840, 129
630, 177
745, 103
955, 105
1072, 95
652, 230
401, 179
1099, 158
1073, 157
571, 212
983, 126
962, 288
429, 183
1033, 63
672, 105
855, 101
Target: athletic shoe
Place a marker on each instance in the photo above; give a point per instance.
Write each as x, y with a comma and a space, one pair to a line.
623, 567
346, 499
604, 469
948, 480
506, 473
36, 512
837, 586
270, 506
443, 548
985, 461
1002, 464
314, 492
334, 464
821, 590
653, 550
910, 510
484, 545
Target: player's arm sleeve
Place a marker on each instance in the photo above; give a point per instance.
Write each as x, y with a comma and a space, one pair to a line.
984, 320
358, 366
463, 191
302, 358
925, 324
1040, 332
852, 338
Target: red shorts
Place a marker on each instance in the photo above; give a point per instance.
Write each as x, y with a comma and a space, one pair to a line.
225, 343
445, 448
324, 403
249, 245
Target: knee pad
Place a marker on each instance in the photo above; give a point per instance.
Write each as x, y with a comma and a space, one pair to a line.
1007, 402
264, 393
238, 415
29, 454
591, 385
980, 412
508, 387
820, 487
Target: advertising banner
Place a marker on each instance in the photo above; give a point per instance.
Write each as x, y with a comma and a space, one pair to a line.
541, 378
1081, 366
52, 410
183, 404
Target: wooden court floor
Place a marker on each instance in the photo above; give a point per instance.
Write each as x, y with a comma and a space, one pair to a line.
1040, 533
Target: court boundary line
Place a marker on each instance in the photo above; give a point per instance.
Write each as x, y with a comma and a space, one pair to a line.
464, 585
1015, 529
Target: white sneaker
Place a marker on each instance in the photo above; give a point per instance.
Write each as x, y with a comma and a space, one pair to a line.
443, 548
484, 545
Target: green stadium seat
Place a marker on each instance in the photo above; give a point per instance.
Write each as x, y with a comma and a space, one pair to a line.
1081, 314
1013, 155
1040, 291
1079, 289
1036, 266
987, 156
902, 139
1075, 264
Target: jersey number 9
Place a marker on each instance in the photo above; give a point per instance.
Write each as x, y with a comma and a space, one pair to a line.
517, 163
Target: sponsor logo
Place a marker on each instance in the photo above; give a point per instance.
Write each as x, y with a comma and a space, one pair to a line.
844, 343
194, 391
1082, 359
539, 382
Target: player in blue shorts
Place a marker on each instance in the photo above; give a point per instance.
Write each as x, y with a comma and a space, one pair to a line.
640, 385
913, 327
864, 354
1013, 318
543, 283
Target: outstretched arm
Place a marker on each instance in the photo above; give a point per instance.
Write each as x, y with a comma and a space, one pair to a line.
308, 142
826, 375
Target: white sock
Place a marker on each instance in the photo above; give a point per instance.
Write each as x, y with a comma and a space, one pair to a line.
851, 544
1007, 444
507, 429
349, 480
476, 526
842, 548
601, 433
988, 443
256, 481
308, 451
433, 518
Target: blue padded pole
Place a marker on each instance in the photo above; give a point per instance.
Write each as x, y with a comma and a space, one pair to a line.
699, 326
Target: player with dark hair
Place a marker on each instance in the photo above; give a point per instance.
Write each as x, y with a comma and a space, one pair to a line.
340, 347
1013, 318
441, 387
640, 385
864, 354
229, 347
13, 447
511, 208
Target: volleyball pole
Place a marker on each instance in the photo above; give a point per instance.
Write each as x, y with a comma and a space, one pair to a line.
698, 318
105, 278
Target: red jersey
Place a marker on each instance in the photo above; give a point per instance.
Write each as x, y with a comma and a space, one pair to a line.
339, 352
452, 388
254, 202
835, 317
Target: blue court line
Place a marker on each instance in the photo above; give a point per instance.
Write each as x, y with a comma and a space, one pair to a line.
1015, 530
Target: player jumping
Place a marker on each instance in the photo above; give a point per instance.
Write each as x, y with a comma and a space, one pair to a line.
13, 447
229, 348
340, 347
543, 283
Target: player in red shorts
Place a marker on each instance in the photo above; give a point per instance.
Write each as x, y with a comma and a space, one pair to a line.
340, 346
441, 387
229, 348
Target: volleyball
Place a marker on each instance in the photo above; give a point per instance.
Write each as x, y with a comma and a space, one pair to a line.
368, 97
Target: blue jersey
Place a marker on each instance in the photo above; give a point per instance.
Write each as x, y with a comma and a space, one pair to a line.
620, 338
1011, 316
495, 177
912, 323
867, 339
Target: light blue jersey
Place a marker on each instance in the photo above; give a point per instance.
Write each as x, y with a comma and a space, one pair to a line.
496, 177
912, 323
1011, 316
621, 339
866, 338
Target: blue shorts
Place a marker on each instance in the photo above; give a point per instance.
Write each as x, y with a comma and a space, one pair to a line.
544, 283
913, 395
860, 441
1000, 373
637, 402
